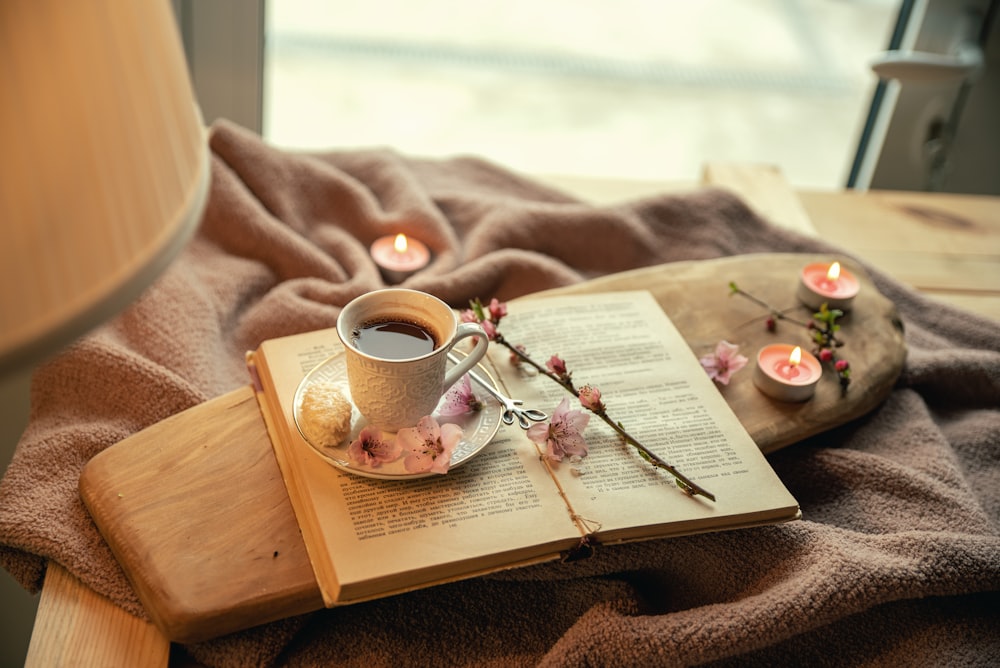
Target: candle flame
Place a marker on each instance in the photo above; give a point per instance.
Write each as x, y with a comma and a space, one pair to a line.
834, 273
795, 357
400, 243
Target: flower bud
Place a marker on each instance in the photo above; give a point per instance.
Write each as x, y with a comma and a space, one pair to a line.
590, 398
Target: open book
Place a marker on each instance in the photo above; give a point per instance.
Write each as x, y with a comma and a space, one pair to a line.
507, 506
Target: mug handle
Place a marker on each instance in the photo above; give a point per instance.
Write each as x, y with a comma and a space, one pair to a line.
465, 330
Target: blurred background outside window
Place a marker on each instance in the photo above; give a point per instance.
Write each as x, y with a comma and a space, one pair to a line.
636, 90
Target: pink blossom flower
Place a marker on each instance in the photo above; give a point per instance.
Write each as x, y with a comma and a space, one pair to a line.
842, 365
488, 317
490, 329
724, 362
370, 448
498, 310
557, 366
590, 398
563, 435
428, 446
469, 315
460, 399
825, 355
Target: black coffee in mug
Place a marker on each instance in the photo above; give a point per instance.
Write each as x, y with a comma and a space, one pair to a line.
393, 339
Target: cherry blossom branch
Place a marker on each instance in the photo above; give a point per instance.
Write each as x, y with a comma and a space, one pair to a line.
823, 329
590, 397
775, 313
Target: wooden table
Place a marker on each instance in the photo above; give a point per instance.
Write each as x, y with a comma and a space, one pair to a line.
947, 246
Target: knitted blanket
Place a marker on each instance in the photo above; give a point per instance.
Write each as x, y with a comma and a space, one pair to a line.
897, 557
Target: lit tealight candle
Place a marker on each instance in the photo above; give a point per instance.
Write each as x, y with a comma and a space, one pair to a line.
398, 256
831, 285
786, 372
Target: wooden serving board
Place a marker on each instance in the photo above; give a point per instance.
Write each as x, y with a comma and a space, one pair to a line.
696, 296
195, 510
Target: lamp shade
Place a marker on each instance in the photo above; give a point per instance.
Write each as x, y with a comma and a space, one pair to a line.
103, 164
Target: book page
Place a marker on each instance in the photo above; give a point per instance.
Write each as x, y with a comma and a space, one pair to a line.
651, 382
369, 537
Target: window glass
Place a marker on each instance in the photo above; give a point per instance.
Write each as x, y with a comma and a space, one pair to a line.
638, 89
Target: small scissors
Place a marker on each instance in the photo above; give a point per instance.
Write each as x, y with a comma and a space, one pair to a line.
512, 407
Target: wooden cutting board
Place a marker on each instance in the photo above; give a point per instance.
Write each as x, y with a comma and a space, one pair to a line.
195, 510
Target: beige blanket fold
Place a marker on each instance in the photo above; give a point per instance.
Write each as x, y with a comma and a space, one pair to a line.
895, 562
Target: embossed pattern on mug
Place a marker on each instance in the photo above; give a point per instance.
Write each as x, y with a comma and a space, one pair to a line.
387, 392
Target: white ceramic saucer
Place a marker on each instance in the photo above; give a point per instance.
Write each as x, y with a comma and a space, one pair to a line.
479, 427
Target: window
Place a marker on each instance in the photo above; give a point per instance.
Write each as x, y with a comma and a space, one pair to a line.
637, 89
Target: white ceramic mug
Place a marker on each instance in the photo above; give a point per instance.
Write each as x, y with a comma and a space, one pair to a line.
396, 393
